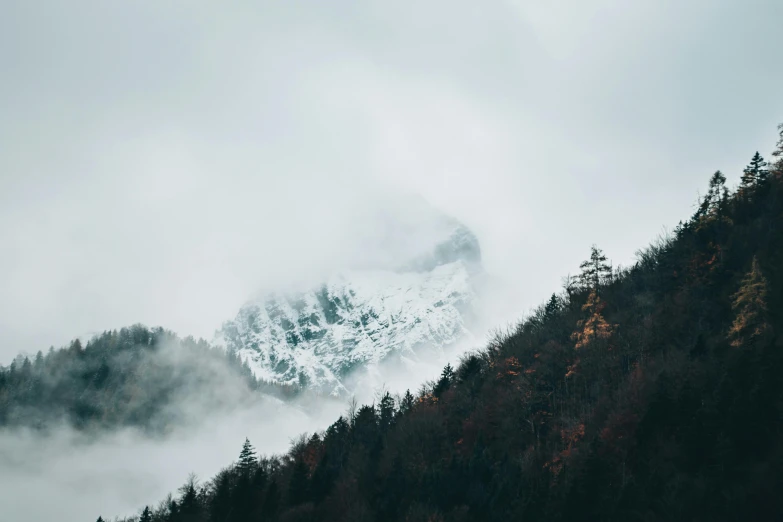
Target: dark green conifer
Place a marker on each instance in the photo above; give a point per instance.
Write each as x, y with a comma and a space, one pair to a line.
386, 412
551, 307
444, 383
717, 194
146, 515
755, 173
247, 459
407, 402
189, 502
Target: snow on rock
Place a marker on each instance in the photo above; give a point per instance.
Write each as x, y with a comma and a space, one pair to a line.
358, 319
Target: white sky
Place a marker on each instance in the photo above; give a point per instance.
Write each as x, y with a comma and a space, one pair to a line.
160, 161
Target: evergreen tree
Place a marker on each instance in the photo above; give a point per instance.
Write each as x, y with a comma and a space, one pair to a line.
100, 519
365, 427
189, 505
595, 270
443, 384
27, 369
552, 307
750, 306
247, 459
76, 347
146, 515
754, 173
386, 412
717, 194
407, 402
39, 362
173, 511
470, 367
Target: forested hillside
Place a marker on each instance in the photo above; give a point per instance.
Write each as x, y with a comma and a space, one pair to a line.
135, 376
646, 393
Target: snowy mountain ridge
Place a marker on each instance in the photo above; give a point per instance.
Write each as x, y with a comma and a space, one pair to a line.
359, 318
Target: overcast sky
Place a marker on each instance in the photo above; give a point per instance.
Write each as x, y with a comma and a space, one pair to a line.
160, 161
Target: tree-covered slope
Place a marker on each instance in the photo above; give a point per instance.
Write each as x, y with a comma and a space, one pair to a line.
648, 393
137, 376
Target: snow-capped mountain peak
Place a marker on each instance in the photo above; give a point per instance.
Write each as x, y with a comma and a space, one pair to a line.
359, 318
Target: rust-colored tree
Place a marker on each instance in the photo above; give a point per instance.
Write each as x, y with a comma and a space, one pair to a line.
750, 306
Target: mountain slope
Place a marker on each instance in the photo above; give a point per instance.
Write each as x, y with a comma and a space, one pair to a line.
360, 318
653, 393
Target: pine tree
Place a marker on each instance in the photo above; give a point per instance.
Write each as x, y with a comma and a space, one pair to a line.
189, 502
407, 402
716, 197
444, 383
750, 305
76, 346
552, 307
595, 271
247, 459
146, 515
365, 426
39, 362
173, 511
386, 412
100, 519
754, 173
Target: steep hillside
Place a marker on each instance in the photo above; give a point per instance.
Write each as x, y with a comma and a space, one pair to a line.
361, 318
652, 393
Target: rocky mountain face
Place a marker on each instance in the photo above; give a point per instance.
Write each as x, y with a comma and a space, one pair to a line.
360, 318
